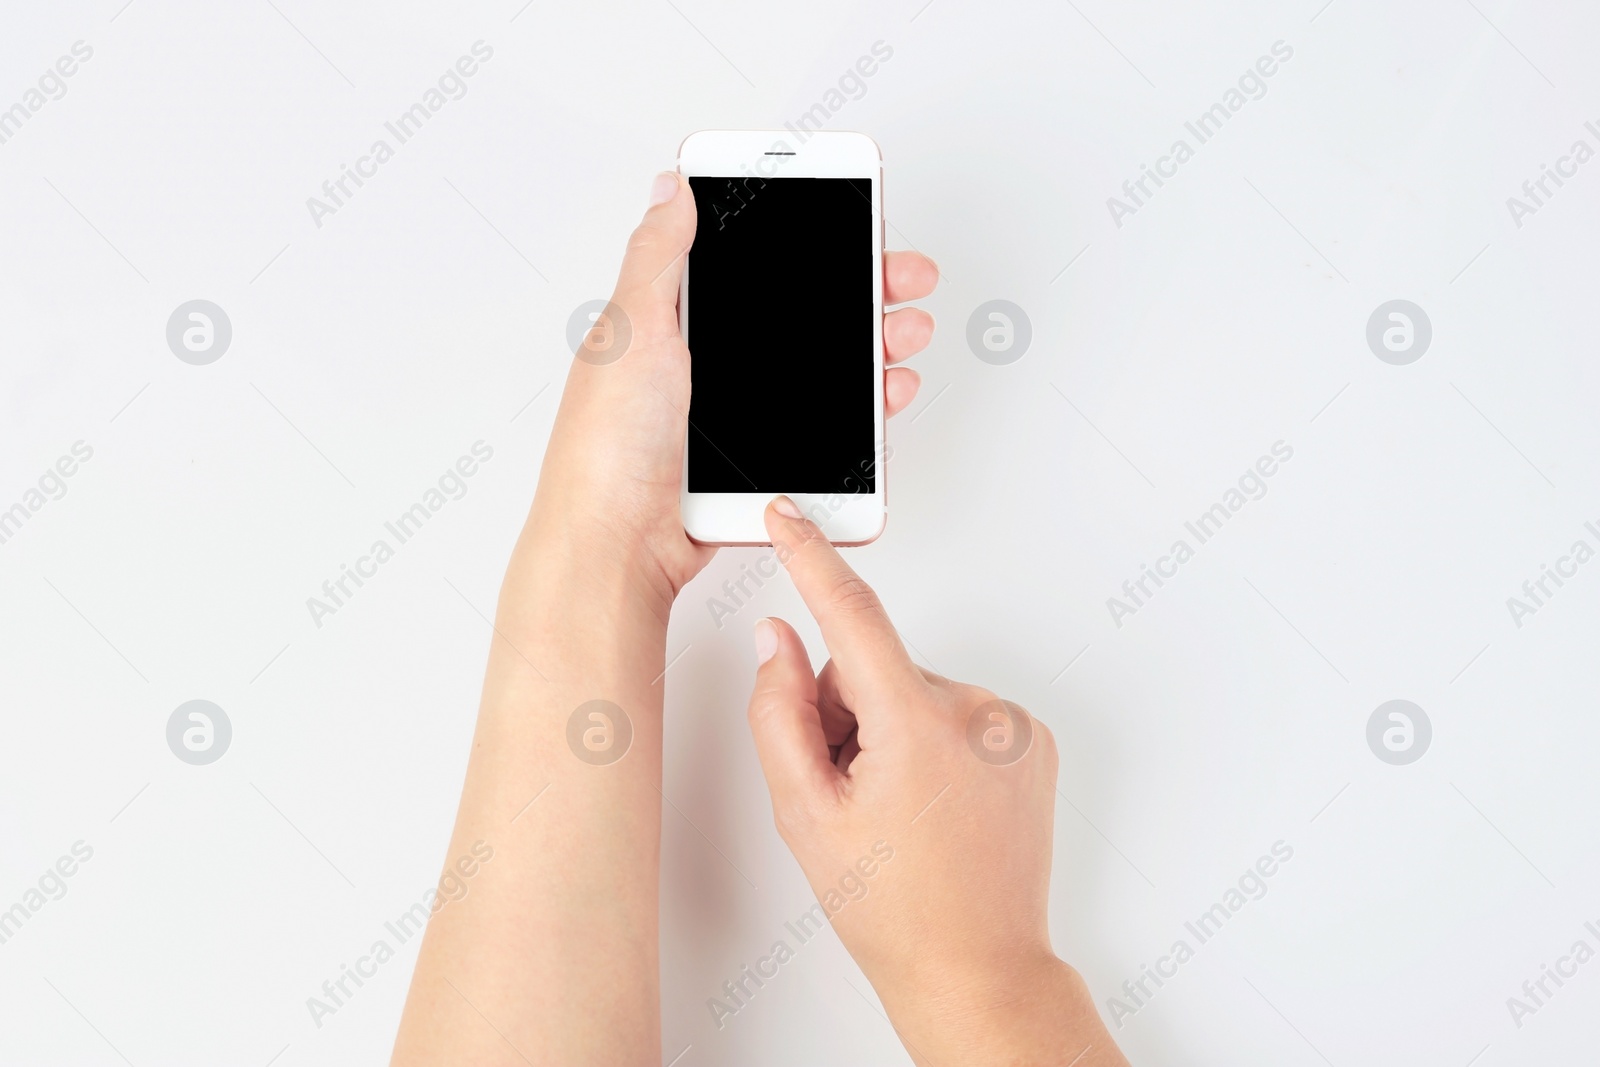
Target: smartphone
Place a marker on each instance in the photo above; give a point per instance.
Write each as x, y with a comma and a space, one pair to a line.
782, 309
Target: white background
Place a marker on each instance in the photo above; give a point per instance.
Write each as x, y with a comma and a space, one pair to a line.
1224, 316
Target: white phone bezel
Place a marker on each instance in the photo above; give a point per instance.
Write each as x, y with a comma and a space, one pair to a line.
845, 518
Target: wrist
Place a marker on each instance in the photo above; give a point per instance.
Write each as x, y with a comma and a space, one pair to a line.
591, 515
576, 567
1037, 1014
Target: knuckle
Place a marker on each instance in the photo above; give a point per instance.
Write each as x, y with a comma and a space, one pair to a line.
645, 238
764, 706
794, 819
977, 693
808, 535
968, 700
850, 593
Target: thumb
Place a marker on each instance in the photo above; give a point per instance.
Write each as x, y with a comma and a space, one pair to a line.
647, 286
785, 722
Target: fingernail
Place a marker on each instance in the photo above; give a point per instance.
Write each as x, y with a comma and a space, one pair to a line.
766, 641
664, 188
786, 507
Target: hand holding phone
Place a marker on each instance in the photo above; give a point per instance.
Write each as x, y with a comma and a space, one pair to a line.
613, 475
782, 308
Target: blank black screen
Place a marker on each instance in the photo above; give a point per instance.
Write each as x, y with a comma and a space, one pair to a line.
780, 336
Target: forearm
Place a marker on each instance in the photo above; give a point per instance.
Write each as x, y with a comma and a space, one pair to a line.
552, 953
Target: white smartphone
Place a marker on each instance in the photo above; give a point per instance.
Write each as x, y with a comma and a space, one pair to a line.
782, 309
